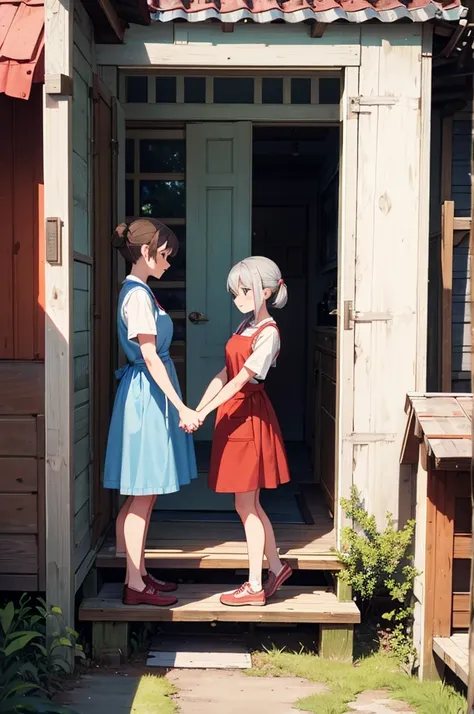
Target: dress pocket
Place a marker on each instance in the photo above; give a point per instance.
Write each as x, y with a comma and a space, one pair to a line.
240, 428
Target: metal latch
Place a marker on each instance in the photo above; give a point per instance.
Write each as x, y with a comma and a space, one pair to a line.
362, 105
351, 316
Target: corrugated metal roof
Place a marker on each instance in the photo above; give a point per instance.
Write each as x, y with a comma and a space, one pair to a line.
444, 423
21, 46
325, 11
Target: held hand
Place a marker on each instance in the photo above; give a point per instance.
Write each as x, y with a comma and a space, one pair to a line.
189, 419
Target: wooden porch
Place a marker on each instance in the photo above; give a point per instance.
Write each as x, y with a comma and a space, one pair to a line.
194, 544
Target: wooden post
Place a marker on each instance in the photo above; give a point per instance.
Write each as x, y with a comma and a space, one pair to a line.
447, 243
57, 135
470, 686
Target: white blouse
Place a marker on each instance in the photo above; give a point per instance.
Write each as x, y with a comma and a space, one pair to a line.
265, 348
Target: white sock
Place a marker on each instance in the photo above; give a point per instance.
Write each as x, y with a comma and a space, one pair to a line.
255, 585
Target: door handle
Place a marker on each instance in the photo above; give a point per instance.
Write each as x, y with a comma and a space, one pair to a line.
197, 317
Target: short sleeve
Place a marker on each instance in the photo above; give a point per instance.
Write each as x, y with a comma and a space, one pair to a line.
265, 352
138, 314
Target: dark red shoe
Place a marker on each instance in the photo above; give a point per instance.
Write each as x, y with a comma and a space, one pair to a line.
273, 581
149, 596
159, 585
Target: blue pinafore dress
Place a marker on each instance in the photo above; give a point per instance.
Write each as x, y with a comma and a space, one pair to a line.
147, 452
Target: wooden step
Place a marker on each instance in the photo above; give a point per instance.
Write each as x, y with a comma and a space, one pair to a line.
200, 603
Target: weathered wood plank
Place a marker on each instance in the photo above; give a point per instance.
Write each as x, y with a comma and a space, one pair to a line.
18, 513
18, 475
444, 555
248, 46
336, 641
21, 388
202, 605
18, 553
58, 180
453, 655
17, 436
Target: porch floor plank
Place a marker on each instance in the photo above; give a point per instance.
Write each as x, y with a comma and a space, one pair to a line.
222, 545
454, 652
200, 603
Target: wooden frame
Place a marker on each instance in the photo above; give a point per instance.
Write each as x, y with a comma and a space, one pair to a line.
59, 475
281, 46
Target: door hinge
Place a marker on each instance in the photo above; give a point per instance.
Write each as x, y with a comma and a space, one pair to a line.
351, 316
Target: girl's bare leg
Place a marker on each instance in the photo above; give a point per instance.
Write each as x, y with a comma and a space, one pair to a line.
134, 530
147, 526
119, 527
255, 536
271, 551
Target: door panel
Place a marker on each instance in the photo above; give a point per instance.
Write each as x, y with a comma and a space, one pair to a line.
218, 213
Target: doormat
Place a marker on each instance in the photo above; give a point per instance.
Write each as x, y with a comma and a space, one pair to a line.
183, 652
281, 507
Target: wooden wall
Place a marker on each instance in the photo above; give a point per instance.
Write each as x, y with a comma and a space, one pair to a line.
22, 534
84, 62
391, 252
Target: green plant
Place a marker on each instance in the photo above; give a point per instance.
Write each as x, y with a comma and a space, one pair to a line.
31, 661
346, 681
378, 564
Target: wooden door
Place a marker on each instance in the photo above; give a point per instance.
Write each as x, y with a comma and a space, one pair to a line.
218, 214
104, 161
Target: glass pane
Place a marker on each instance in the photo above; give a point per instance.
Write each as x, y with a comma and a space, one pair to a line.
162, 199
301, 91
179, 332
166, 90
329, 90
177, 271
195, 90
233, 90
136, 89
129, 201
272, 90
130, 156
162, 156
171, 298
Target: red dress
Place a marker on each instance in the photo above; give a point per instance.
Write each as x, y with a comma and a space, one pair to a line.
247, 449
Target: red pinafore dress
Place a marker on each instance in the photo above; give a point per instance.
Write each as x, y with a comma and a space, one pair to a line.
247, 448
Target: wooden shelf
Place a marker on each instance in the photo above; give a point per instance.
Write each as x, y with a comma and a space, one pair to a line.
200, 603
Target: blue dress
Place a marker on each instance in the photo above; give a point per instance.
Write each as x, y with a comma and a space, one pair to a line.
147, 452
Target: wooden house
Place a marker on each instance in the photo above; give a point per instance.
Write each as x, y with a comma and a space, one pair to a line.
438, 445
296, 130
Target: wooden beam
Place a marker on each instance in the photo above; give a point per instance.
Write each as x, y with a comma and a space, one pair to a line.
470, 684
59, 476
447, 238
318, 29
446, 159
116, 24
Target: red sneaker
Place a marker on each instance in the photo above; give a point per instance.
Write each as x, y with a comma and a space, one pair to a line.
159, 585
243, 596
273, 581
149, 596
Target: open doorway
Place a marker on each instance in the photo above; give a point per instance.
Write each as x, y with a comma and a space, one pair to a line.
292, 217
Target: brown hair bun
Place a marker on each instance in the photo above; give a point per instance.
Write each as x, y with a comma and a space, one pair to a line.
129, 238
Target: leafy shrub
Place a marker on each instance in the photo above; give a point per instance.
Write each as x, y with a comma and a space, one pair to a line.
378, 564
31, 663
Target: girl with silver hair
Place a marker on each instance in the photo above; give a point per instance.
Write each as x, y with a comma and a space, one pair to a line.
247, 450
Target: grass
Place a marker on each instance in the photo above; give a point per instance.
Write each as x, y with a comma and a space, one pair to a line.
153, 696
345, 681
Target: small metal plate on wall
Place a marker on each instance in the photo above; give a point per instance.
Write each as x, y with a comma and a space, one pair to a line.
53, 240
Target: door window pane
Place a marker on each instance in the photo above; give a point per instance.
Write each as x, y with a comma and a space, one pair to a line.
233, 90
129, 207
272, 90
166, 90
177, 269
195, 90
162, 156
301, 90
136, 89
129, 156
172, 299
162, 199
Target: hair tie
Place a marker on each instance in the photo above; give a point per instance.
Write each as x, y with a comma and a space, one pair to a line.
281, 282
120, 235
